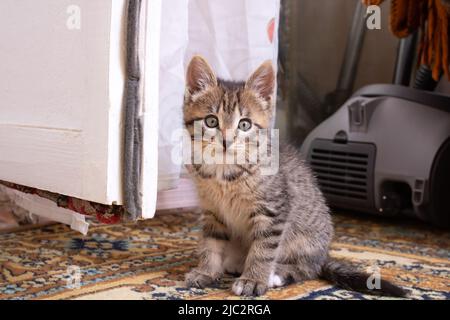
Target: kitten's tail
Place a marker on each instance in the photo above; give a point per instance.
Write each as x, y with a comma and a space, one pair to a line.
347, 276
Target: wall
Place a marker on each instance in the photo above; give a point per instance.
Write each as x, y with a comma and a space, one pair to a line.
317, 36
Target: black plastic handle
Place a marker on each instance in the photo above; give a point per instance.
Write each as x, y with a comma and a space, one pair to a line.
431, 99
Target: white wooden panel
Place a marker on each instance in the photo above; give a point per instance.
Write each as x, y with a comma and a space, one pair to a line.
183, 196
35, 157
61, 97
116, 92
151, 41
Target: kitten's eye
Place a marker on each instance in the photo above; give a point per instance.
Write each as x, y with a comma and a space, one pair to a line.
245, 124
211, 121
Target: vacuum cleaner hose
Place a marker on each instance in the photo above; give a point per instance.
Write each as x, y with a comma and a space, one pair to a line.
424, 79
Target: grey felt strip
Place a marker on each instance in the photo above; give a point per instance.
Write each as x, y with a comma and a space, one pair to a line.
133, 129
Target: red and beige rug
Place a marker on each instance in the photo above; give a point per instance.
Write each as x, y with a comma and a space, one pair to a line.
148, 260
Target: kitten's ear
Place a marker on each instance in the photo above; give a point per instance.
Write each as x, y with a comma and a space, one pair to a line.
199, 75
262, 81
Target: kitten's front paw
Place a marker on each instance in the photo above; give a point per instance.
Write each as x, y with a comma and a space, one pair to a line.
195, 279
248, 287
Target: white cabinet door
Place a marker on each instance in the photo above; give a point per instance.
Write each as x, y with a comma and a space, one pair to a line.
61, 92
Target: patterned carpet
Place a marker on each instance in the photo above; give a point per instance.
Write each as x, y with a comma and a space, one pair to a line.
148, 260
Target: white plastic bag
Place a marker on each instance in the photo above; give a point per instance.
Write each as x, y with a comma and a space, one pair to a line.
234, 36
174, 40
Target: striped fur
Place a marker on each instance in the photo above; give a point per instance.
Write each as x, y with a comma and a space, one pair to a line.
270, 229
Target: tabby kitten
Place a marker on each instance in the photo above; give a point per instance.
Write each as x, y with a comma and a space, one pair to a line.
270, 229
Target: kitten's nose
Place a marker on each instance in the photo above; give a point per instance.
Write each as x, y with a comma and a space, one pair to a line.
225, 144
227, 139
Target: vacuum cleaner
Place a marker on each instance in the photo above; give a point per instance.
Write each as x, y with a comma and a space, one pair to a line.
386, 151
386, 148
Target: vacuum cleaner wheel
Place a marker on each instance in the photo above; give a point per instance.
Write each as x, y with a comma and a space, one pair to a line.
438, 209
